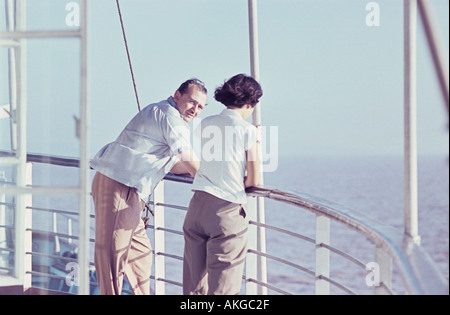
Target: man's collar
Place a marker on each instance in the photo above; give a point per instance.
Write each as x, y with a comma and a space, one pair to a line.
174, 105
172, 102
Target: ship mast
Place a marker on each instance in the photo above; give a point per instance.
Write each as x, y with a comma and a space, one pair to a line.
260, 213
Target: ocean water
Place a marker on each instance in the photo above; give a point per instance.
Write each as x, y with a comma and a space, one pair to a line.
370, 185
374, 187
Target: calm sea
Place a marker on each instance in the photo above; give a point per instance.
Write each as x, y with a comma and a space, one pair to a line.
372, 186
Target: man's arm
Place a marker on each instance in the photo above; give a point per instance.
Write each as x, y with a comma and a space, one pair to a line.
188, 164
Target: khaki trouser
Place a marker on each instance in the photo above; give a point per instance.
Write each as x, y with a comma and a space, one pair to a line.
121, 243
215, 233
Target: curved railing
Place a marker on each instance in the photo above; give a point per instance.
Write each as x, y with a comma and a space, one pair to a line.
419, 273
416, 267
392, 248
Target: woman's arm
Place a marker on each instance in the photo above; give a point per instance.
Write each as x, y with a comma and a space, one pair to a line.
253, 166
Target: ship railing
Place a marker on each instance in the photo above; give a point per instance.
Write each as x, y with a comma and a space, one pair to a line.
418, 273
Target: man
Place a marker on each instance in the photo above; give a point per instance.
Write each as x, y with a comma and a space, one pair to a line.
155, 141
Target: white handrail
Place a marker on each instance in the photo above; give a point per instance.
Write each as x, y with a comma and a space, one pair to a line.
417, 268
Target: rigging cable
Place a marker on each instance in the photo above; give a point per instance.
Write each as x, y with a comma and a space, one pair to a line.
128, 55
147, 207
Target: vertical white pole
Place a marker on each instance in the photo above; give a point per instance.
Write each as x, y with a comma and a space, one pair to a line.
410, 121
10, 25
254, 52
322, 255
84, 215
28, 235
160, 270
10, 20
3, 261
384, 261
21, 119
55, 230
251, 263
69, 230
254, 63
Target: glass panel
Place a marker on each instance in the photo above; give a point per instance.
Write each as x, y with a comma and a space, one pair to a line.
53, 96
47, 15
51, 175
52, 74
7, 224
54, 245
53, 108
53, 15
5, 110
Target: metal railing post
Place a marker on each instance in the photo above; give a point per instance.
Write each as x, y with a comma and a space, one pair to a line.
3, 181
384, 263
160, 273
28, 225
251, 263
254, 64
3, 255
21, 154
322, 286
85, 187
410, 118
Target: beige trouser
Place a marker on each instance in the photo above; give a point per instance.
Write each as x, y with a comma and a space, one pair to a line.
215, 233
121, 243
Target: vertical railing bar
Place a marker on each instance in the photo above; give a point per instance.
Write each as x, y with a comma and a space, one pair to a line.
251, 263
384, 263
158, 198
69, 229
28, 235
254, 64
55, 230
410, 120
3, 207
84, 129
322, 287
21, 168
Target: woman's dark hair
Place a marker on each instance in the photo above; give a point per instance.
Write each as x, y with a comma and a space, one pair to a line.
238, 91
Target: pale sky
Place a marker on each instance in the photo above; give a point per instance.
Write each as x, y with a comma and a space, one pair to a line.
332, 84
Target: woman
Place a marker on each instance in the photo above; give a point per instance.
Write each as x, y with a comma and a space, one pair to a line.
216, 225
